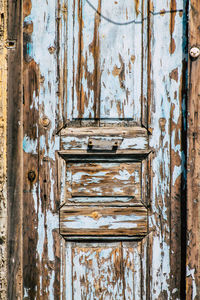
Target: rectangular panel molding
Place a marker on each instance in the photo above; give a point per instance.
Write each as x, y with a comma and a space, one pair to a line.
101, 222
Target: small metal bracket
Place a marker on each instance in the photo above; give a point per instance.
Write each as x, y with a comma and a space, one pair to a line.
104, 144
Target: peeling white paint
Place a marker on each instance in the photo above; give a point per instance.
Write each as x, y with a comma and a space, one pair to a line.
190, 273
30, 145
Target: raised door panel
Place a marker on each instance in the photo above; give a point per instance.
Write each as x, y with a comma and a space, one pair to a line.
104, 61
104, 271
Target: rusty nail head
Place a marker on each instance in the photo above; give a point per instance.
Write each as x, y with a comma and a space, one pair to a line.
31, 176
194, 52
90, 142
45, 122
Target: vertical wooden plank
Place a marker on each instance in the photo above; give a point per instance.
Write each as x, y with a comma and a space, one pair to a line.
166, 125
41, 109
193, 188
178, 91
15, 162
3, 150
90, 81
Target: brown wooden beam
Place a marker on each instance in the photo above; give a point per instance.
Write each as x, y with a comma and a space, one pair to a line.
15, 154
193, 165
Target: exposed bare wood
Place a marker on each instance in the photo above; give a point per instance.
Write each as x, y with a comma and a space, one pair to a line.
105, 179
41, 235
125, 132
15, 158
193, 188
101, 79
165, 123
96, 221
104, 270
102, 69
3, 151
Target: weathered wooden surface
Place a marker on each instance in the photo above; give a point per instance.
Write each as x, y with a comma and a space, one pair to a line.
166, 103
3, 151
98, 221
105, 271
193, 188
104, 179
15, 154
103, 80
131, 138
83, 68
41, 117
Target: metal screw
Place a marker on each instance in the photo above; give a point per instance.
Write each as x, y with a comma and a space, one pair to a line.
31, 176
194, 52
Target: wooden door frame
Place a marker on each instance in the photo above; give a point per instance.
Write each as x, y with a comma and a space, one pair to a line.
15, 151
191, 209
193, 158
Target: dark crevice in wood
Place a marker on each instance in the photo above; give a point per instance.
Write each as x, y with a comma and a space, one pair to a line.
184, 145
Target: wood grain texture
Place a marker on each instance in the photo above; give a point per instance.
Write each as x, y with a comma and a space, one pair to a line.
98, 221
15, 158
105, 271
81, 69
42, 117
131, 138
105, 179
3, 151
99, 70
166, 101
193, 194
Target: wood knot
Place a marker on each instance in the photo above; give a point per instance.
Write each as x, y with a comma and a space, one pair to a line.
31, 176
95, 215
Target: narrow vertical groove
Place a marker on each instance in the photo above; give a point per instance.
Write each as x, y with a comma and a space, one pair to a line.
184, 143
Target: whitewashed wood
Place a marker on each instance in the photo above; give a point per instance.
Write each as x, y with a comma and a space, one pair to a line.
165, 122
121, 58
104, 179
163, 117
95, 55
104, 271
131, 138
98, 221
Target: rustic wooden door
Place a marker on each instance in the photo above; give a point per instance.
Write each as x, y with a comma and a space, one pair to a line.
104, 160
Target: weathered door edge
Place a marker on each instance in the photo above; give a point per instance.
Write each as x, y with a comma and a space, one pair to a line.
3, 149
15, 154
193, 159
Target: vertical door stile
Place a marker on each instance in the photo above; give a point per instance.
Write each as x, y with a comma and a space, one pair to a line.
166, 125
193, 192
